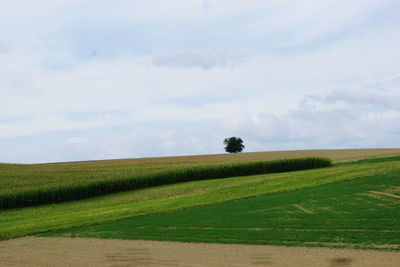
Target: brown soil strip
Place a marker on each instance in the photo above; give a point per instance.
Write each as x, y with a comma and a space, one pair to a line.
41, 251
385, 194
337, 155
303, 209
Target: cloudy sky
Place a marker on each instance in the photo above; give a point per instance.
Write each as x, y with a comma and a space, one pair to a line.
100, 79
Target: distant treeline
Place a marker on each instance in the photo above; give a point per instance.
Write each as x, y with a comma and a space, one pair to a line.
90, 189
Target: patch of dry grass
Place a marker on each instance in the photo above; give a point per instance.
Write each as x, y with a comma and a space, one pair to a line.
336, 155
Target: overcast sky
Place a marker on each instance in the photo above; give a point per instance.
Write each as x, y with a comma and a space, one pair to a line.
98, 79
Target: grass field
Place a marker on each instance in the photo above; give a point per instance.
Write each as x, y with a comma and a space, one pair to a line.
163, 199
362, 213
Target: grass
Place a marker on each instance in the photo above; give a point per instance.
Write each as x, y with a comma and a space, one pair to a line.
39, 192
396, 158
352, 213
47, 218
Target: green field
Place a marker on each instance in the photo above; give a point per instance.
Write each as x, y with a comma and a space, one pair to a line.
362, 213
20, 191
27, 177
169, 198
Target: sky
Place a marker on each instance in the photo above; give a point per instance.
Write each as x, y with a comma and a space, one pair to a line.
91, 80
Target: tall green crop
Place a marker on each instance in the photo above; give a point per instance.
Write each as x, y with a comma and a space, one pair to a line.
86, 189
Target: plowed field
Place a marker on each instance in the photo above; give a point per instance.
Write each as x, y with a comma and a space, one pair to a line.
41, 251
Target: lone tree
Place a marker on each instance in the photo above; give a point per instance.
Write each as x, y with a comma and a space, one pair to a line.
233, 144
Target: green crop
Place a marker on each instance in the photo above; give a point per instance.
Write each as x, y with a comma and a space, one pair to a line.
167, 198
361, 213
38, 193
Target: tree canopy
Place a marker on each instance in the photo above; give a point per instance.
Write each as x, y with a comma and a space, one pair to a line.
233, 144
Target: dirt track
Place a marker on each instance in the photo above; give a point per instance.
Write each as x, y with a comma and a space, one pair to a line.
40, 251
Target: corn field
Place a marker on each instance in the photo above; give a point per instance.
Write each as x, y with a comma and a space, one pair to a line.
85, 188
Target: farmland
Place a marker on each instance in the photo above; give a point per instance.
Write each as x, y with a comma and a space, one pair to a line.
29, 178
39, 193
25, 176
362, 213
168, 198
352, 204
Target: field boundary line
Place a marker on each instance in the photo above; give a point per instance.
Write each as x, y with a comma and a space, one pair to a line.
385, 194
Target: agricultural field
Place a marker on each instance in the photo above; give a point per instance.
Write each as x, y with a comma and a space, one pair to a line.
362, 213
61, 251
27, 176
18, 181
352, 204
39, 193
161, 199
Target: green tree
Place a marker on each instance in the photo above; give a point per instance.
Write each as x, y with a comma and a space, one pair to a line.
233, 144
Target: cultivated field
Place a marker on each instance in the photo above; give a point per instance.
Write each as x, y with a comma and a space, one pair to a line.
41, 251
39, 192
362, 213
28, 179
26, 176
161, 199
351, 204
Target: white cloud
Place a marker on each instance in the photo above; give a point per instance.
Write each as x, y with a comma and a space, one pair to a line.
190, 59
77, 140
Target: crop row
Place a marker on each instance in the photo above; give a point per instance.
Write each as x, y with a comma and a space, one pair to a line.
90, 189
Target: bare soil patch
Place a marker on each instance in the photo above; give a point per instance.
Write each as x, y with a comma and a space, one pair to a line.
40, 251
336, 155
